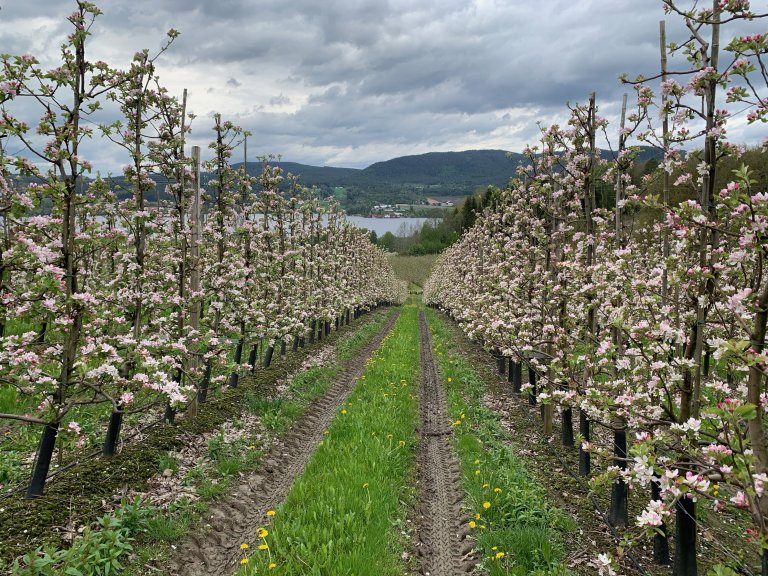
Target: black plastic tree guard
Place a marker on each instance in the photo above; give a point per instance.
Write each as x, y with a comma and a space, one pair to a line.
43, 460
585, 462
253, 356
685, 539
234, 378
619, 515
268, 356
113, 432
660, 537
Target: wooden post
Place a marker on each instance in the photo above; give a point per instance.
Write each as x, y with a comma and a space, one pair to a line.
194, 277
660, 537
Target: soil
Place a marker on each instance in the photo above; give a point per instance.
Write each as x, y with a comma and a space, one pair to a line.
443, 547
235, 519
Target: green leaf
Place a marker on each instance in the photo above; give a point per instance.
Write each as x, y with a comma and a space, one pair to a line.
747, 411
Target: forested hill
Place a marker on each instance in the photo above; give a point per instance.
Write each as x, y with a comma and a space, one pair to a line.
457, 173
447, 173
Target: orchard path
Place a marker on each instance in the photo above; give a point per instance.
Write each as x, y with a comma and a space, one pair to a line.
443, 549
234, 520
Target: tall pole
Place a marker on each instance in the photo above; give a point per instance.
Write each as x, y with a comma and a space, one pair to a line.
665, 173
194, 277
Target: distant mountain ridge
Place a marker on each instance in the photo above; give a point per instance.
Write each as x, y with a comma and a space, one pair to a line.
458, 173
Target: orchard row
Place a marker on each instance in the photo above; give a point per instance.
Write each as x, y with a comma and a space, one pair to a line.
644, 317
113, 302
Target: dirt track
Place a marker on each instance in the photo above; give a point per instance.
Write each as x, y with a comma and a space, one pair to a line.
444, 549
234, 520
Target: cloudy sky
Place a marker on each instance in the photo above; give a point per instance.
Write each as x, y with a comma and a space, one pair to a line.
352, 82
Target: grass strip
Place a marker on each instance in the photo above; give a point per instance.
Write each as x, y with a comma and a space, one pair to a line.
517, 532
345, 514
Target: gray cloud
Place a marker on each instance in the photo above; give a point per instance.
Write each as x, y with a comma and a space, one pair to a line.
351, 82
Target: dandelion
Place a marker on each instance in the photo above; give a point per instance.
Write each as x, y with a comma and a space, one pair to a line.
343, 411
486, 505
486, 485
270, 513
497, 490
450, 379
263, 546
262, 532
365, 485
477, 461
243, 561
499, 555
472, 524
457, 422
477, 473
477, 515
272, 566
243, 546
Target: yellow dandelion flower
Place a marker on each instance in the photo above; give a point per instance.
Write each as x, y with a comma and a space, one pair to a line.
450, 379
402, 443
262, 532
271, 512
365, 485
463, 416
272, 566
497, 490
243, 546
477, 515
477, 461
499, 555
494, 547
343, 411
472, 524
477, 472
457, 422
486, 485
263, 546
243, 561
486, 505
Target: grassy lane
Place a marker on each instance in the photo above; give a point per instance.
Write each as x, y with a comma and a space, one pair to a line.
516, 530
345, 515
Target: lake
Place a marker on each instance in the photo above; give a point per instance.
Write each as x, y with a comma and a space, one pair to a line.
398, 226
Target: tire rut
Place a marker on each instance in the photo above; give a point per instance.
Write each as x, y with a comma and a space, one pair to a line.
233, 521
443, 547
